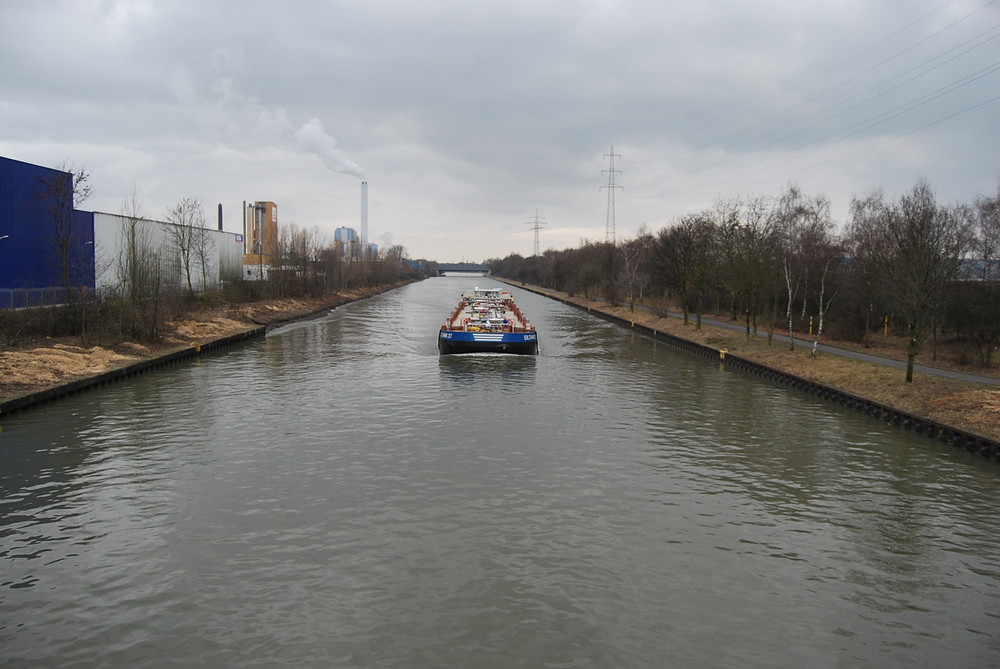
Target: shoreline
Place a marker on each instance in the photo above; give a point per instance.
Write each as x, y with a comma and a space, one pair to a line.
33, 399
665, 329
259, 319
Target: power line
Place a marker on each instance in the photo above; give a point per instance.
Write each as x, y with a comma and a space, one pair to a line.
867, 147
880, 90
909, 132
865, 124
849, 79
609, 229
860, 100
536, 225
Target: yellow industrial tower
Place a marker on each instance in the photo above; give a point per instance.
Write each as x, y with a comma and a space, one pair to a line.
262, 234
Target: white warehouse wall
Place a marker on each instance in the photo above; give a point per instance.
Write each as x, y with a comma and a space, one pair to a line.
224, 253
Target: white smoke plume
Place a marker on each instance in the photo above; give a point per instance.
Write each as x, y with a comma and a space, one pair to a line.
313, 138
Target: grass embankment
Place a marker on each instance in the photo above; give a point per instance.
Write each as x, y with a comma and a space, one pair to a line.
972, 407
39, 365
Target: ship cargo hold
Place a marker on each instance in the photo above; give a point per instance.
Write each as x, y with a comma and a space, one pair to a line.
487, 321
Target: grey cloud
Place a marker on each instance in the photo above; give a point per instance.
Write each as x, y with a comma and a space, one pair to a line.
467, 116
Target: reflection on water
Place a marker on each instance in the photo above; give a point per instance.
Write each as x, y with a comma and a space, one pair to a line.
486, 372
340, 495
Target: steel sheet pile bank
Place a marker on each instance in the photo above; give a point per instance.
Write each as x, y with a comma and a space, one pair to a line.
487, 321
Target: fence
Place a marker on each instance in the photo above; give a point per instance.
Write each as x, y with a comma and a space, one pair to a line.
23, 298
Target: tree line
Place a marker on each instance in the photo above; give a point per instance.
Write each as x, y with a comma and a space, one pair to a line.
910, 263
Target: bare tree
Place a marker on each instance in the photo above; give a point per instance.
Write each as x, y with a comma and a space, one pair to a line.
594, 267
987, 236
190, 239
683, 260
749, 246
302, 249
801, 223
204, 254
633, 272
61, 194
791, 214
393, 263
863, 246
983, 294
824, 252
706, 255
646, 242
919, 245
140, 276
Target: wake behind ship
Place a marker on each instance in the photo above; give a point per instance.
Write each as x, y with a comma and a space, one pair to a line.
487, 321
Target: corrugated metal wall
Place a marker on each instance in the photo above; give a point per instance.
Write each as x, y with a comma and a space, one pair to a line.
32, 272
224, 253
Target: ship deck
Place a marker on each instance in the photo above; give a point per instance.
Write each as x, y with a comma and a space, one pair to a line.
487, 314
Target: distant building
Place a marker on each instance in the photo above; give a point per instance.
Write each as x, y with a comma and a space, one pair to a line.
350, 246
48, 248
345, 235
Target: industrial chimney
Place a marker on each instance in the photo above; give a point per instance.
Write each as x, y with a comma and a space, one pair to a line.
364, 212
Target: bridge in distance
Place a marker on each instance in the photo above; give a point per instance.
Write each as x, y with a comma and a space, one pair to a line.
462, 268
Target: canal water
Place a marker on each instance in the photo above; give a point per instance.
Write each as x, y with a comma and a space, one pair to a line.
338, 495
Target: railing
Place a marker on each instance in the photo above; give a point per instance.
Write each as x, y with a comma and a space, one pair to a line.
454, 315
23, 298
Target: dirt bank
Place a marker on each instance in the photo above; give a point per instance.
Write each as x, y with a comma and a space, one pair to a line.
40, 365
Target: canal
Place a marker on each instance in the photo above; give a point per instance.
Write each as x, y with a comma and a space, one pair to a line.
338, 495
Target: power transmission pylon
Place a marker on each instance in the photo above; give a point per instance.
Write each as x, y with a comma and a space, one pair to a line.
536, 225
609, 230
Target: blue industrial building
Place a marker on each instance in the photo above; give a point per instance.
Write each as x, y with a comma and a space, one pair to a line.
345, 235
46, 246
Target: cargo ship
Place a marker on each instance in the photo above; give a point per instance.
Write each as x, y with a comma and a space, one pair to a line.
487, 321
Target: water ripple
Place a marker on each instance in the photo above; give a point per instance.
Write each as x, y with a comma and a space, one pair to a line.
339, 495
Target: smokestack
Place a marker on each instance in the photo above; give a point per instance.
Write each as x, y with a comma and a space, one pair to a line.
364, 212
220, 216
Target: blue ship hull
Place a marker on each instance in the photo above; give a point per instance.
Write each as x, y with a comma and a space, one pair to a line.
487, 320
452, 341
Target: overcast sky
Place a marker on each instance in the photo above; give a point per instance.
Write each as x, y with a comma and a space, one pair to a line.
468, 116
